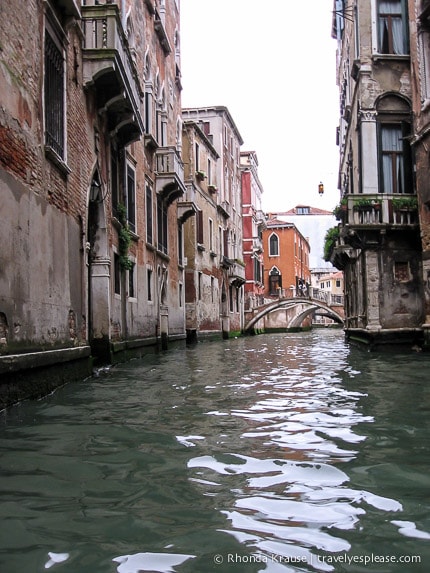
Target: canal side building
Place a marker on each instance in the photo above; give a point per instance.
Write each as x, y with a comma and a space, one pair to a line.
90, 178
253, 223
379, 247
217, 124
203, 275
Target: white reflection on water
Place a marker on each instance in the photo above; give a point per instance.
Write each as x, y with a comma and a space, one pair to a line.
55, 558
160, 562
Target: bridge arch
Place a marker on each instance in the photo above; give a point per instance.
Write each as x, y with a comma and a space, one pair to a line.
310, 306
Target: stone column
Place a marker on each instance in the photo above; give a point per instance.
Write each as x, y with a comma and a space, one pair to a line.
372, 291
100, 305
369, 151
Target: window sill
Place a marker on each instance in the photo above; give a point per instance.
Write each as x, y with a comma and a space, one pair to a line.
201, 247
391, 57
163, 255
57, 160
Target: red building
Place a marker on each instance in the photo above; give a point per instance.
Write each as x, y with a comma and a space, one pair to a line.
286, 259
253, 222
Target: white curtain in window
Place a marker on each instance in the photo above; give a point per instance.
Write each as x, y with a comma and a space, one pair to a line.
391, 140
394, 9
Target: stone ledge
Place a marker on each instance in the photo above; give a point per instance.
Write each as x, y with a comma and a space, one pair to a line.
29, 360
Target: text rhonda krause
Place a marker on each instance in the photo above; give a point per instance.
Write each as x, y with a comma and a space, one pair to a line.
329, 559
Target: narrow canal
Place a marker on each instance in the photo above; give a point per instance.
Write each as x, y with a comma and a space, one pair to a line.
278, 453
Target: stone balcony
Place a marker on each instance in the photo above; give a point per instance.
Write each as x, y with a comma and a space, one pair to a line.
236, 272
169, 171
379, 210
108, 66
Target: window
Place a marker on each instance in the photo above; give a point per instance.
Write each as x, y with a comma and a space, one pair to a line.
303, 210
402, 271
197, 157
211, 235
395, 166
395, 160
149, 284
131, 198
199, 286
114, 179
131, 282
161, 226
273, 245
199, 230
117, 273
337, 283
180, 245
149, 225
209, 172
392, 33
181, 289
54, 93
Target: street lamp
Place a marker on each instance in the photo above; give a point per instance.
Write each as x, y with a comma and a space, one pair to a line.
94, 191
321, 188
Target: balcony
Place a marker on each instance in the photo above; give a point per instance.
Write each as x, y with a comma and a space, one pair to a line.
224, 209
236, 272
380, 210
108, 66
169, 170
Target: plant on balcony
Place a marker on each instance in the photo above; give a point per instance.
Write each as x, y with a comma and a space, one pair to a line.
212, 189
200, 175
124, 239
366, 204
405, 204
341, 210
330, 241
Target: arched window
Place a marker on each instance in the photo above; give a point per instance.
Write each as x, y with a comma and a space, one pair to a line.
273, 245
395, 160
275, 281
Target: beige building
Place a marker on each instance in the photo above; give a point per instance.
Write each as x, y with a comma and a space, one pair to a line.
379, 246
225, 232
90, 178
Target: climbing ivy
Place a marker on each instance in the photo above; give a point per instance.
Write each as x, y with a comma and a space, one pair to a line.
124, 239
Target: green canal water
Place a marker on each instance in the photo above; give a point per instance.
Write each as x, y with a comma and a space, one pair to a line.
275, 453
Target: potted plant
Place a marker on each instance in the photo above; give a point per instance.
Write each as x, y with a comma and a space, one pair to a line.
200, 175
405, 204
364, 204
212, 189
341, 210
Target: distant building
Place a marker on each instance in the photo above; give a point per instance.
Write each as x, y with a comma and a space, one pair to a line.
221, 132
286, 259
253, 222
313, 223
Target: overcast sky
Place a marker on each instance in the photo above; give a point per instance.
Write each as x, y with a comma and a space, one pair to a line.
273, 65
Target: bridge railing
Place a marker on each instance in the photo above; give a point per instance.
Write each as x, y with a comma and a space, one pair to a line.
309, 292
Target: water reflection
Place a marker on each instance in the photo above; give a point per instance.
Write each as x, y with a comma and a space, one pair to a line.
272, 453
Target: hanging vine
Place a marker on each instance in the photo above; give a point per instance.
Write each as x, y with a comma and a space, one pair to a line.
124, 239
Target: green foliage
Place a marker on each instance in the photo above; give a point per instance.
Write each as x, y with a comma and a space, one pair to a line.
364, 202
410, 203
330, 241
124, 239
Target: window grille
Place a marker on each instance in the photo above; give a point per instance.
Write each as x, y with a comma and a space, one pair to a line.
54, 96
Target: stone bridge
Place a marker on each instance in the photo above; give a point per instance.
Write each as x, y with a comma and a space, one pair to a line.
330, 305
